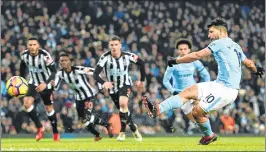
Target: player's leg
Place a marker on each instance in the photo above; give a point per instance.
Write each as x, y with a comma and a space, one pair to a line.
213, 96
203, 124
187, 111
29, 107
89, 122
126, 91
47, 97
125, 114
122, 135
173, 102
92, 118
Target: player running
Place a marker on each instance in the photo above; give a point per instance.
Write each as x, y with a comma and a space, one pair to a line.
76, 78
42, 70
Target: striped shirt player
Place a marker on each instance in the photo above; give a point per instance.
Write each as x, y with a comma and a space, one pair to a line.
41, 69
76, 77
115, 64
116, 70
77, 80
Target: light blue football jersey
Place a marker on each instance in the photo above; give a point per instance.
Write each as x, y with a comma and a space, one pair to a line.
228, 55
183, 75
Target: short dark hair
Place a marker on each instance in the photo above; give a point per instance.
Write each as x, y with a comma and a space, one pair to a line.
218, 22
32, 38
114, 38
63, 54
183, 41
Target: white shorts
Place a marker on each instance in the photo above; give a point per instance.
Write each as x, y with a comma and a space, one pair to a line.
213, 95
187, 107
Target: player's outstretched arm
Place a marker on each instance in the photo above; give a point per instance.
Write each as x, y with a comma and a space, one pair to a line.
141, 65
190, 57
252, 67
96, 74
140, 84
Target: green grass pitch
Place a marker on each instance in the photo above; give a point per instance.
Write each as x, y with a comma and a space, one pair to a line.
148, 144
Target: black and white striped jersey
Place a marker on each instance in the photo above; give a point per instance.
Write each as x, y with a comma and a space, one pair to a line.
38, 66
77, 80
116, 70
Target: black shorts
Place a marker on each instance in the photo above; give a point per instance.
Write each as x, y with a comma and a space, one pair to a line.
124, 91
46, 95
80, 106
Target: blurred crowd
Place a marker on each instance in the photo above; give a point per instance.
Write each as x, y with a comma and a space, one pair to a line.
147, 28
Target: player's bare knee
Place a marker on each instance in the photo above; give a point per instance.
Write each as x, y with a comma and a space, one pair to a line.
198, 113
123, 101
123, 105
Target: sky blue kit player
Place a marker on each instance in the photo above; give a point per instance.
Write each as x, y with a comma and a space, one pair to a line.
215, 94
182, 76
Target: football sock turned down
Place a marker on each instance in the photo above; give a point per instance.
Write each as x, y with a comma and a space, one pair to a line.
53, 120
32, 113
170, 103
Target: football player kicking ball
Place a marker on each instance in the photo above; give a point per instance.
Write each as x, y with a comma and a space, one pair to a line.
212, 95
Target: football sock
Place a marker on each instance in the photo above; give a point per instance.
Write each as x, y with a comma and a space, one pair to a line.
100, 121
170, 103
205, 128
53, 120
130, 122
123, 120
32, 113
91, 129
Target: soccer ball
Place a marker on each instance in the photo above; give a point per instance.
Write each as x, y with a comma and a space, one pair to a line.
17, 86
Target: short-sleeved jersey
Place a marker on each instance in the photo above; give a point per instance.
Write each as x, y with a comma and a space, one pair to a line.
38, 66
77, 80
183, 75
116, 70
228, 55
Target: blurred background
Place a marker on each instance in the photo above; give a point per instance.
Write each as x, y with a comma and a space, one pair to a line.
147, 28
